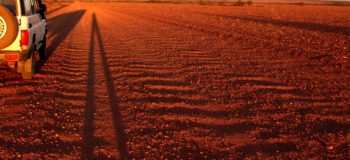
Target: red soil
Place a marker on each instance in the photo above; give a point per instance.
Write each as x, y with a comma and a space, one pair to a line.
176, 81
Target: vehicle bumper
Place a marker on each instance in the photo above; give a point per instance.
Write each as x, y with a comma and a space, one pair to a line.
12, 56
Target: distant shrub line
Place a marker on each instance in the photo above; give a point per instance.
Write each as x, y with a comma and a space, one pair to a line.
222, 3
340, 3
201, 2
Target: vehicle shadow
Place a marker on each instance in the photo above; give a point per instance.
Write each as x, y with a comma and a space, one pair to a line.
88, 130
56, 9
59, 28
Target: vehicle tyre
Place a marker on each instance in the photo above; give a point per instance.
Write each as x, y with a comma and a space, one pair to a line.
43, 50
8, 27
27, 67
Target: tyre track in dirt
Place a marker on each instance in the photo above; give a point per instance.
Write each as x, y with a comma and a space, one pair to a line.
275, 65
283, 94
261, 82
248, 39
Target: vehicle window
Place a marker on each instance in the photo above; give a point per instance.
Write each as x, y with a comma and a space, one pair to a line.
10, 4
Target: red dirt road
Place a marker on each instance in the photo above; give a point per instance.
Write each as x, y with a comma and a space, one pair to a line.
176, 81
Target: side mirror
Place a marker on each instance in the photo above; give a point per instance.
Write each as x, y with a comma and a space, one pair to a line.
43, 8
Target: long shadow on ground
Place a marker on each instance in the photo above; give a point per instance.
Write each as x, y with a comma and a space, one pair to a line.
88, 137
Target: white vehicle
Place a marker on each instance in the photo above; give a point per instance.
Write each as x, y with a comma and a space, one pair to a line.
22, 32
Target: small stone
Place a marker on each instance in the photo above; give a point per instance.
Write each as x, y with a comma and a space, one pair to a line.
330, 147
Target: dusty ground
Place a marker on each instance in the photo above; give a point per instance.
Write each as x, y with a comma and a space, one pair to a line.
161, 81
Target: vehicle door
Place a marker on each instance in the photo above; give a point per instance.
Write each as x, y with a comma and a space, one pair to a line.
36, 22
41, 23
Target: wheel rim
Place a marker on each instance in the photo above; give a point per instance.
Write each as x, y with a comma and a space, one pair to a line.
3, 27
